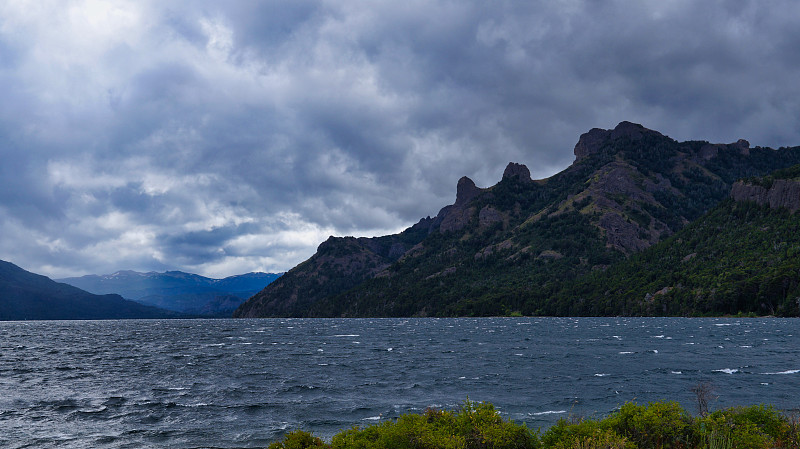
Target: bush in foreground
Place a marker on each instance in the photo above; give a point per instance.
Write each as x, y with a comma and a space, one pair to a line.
660, 425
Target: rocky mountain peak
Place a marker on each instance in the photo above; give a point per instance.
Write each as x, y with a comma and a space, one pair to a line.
592, 141
518, 171
466, 190
633, 131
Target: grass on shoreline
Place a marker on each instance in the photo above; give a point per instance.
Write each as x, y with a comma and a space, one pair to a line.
658, 425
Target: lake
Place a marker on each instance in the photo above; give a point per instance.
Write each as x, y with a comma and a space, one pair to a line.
243, 383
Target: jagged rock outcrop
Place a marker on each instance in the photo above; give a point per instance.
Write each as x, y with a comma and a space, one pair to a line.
594, 140
621, 233
590, 142
457, 215
466, 190
782, 193
488, 216
517, 171
710, 150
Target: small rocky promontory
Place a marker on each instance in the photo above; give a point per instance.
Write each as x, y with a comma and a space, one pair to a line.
782, 193
517, 171
594, 140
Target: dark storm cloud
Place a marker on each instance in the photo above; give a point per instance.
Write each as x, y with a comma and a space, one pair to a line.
227, 137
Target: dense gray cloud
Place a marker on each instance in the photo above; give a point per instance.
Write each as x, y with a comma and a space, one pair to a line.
226, 137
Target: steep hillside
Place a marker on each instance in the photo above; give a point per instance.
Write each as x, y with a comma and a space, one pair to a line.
508, 247
339, 264
742, 257
28, 296
178, 291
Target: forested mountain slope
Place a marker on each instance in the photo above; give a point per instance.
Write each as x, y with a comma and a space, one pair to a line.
742, 257
518, 245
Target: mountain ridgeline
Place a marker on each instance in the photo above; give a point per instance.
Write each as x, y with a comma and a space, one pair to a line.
639, 224
177, 291
29, 296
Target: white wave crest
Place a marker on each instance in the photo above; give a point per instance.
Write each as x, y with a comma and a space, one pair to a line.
549, 412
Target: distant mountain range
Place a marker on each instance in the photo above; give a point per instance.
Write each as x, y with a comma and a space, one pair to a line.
28, 296
639, 224
177, 291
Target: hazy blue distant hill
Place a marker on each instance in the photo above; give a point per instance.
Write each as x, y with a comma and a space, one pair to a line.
28, 296
178, 291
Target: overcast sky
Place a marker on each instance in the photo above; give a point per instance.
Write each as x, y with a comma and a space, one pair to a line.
224, 137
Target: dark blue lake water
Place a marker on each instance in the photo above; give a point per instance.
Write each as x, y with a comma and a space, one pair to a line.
242, 383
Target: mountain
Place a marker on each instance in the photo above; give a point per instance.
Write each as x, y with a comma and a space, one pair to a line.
28, 296
178, 291
514, 246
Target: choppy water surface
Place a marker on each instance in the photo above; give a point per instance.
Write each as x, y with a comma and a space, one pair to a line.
242, 383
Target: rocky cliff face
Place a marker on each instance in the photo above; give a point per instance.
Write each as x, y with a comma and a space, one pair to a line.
594, 140
457, 215
518, 172
783, 193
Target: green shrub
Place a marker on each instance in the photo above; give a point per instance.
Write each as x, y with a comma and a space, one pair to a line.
297, 439
584, 434
660, 425
754, 427
472, 426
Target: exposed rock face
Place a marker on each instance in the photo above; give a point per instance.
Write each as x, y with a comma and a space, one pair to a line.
710, 150
590, 142
748, 192
783, 193
458, 215
618, 178
633, 131
489, 250
743, 146
518, 171
660, 184
622, 234
466, 190
455, 218
593, 141
549, 254
617, 191
488, 215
